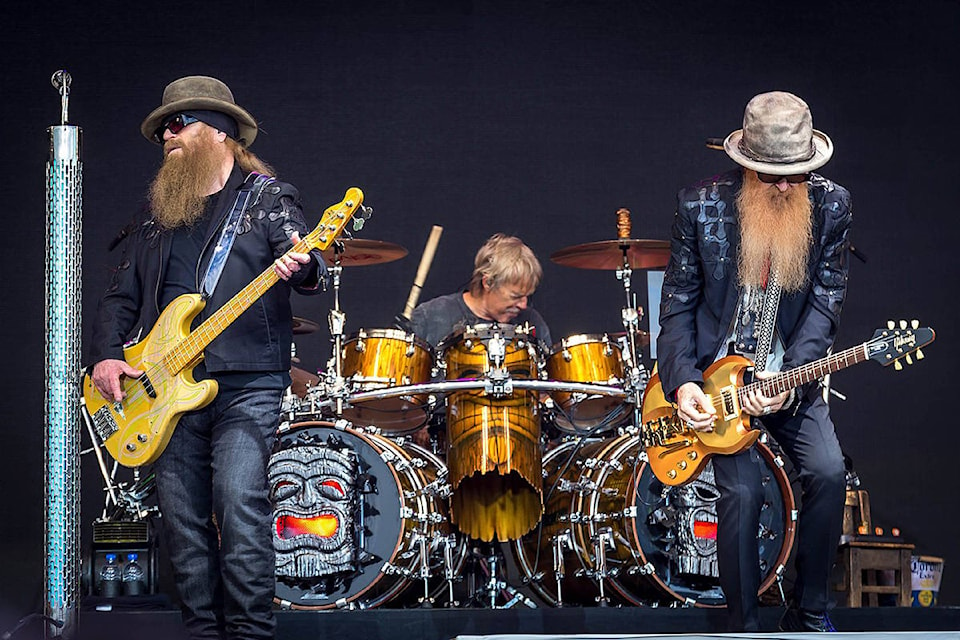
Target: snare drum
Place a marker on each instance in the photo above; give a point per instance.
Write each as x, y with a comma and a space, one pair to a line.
358, 518
493, 441
592, 359
374, 359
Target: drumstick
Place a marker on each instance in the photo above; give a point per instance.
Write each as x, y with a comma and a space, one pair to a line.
422, 271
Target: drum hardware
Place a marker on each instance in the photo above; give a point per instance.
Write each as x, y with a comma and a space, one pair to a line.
361, 252
634, 540
122, 502
355, 522
488, 586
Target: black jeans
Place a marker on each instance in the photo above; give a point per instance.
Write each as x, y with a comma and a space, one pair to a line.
216, 466
809, 439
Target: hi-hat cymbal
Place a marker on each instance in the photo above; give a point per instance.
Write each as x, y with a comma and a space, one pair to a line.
359, 252
302, 326
608, 254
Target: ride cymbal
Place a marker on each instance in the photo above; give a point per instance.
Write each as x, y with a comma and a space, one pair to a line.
360, 252
608, 254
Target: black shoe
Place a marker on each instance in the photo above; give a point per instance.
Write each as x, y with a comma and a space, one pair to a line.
796, 619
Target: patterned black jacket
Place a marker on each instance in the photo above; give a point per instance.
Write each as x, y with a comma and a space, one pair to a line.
700, 290
259, 340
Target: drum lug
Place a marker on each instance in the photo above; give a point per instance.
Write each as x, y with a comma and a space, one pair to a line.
406, 513
343, 604
567, 356
630, 512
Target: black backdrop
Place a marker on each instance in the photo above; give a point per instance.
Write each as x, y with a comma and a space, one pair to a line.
539, 119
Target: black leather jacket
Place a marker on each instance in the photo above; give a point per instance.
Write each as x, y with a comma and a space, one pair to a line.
259, 340
700, 290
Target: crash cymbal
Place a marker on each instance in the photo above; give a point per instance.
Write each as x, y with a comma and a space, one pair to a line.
608, 254
302, 326
360, 252
301, 381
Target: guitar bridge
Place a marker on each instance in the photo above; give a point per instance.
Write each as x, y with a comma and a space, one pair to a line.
104, 423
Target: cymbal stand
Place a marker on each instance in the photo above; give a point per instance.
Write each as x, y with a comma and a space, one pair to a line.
336, 320
630, 315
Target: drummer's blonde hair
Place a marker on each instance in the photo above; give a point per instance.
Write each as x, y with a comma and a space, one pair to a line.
503, 260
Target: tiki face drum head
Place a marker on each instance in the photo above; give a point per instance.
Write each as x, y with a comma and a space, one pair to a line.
355, 514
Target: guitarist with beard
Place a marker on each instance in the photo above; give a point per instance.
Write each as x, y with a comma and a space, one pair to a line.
214, 465
760, 254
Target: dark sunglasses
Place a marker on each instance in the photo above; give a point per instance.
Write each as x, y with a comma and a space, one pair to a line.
175, 124
767, 178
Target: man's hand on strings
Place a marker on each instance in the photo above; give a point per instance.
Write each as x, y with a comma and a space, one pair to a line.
757, 404
695, 408
106, 378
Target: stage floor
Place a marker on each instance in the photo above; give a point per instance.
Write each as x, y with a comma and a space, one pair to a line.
545, 624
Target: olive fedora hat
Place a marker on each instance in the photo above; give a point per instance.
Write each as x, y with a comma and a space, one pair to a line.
200, 93
778, 137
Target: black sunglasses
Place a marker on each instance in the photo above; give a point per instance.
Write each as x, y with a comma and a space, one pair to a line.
768, 178
175, 124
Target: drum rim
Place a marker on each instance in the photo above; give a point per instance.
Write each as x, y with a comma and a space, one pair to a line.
389, 333
403, 581
455, 337
580, 339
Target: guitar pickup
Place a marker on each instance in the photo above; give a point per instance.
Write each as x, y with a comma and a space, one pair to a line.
728, 398
147, 386
104, 423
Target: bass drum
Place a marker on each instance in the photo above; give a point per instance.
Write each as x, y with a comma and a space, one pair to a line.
623, 536
358, 518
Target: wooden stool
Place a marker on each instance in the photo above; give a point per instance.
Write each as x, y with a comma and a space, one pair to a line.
864, 560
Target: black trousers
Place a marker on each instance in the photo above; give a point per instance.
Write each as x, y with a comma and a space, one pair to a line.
809, 439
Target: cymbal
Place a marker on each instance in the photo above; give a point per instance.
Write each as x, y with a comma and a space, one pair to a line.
302, 326
360, 252
301, 380
608, 254
643, 337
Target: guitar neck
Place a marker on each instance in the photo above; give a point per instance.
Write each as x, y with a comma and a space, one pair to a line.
803, 374
189, 350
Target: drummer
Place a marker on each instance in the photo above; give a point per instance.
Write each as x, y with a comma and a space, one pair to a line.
506, 272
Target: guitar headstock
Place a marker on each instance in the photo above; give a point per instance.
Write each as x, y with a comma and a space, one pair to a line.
898, 341
333, 221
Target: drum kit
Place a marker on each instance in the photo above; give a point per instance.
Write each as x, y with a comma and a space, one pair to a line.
372, 511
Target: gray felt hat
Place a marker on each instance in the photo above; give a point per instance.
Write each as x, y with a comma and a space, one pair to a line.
778, 137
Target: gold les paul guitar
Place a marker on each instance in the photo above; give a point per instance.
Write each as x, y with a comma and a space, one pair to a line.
136, 430
677, 454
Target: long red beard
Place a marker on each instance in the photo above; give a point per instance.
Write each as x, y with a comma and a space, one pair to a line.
775, 229
179, 191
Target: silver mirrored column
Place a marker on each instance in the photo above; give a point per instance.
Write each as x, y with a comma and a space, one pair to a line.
62, 397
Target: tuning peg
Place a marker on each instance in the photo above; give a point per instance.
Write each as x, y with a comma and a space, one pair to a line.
909, 359
890, 324
898, 365
914, 324
919, 354
903, 324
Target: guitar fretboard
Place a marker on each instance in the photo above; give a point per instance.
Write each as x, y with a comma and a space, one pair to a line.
803, 374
